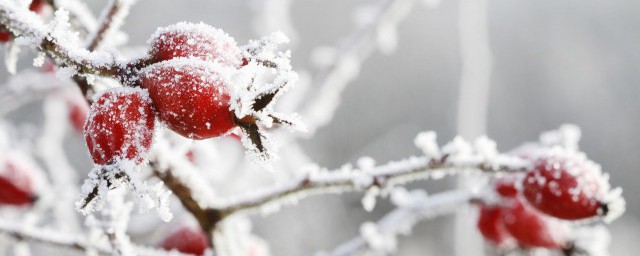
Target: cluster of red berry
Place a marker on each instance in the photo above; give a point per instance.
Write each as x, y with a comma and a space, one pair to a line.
536, 207
36, 6
186, 88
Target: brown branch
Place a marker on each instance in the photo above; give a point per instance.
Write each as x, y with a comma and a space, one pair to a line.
206, 217
115, 8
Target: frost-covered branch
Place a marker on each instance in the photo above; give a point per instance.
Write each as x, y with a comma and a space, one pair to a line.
207, 218
112, 19
413, 208
343, 61
457, 156
28, 28
43, 236
80, 15
54, 238
58, 42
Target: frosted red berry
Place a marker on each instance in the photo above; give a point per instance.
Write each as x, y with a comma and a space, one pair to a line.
191, 97
492, 227
186, 240
531, 228
15, 184
78, 113
565, 186
199, 41
120, 126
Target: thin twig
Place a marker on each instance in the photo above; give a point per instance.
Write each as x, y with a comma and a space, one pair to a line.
402, 219
332, 80
55, 238
110, 21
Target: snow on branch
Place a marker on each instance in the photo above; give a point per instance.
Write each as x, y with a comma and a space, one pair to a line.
342, 63
456, 157
56, 40
112, 19
411, 208
20, 231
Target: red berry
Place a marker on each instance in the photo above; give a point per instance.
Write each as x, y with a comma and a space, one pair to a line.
191, 97
37, 6
120, 126
492, 227
186, 240
5, 36
195, 40
507, 186
530, 228
565, 186
78, 113
15, 184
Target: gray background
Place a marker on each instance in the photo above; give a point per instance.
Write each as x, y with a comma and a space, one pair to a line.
570, 61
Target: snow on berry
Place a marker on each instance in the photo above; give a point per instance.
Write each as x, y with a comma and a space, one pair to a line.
186, 240
566, 185
531, 228
120, 126
191, 96
199, 40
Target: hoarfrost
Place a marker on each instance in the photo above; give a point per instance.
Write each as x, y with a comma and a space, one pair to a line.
426, 141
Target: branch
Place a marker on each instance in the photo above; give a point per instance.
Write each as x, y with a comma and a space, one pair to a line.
384, 176
80, 15
401, 220
28, 26
55, 238
207, 218
111, 20
349, 55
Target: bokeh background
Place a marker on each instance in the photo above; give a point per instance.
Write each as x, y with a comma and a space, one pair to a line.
555, 62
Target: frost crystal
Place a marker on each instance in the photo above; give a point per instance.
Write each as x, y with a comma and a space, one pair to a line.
426, 141
378, 241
